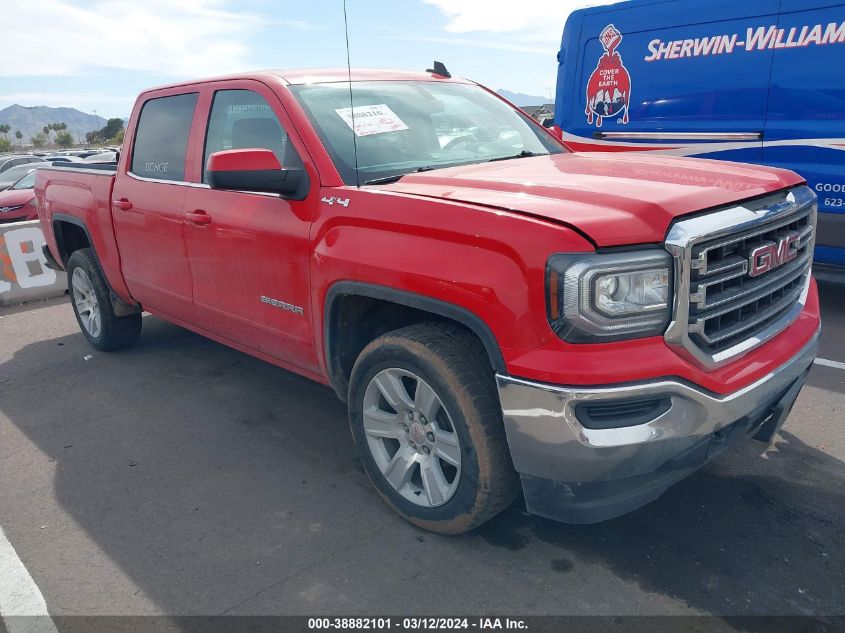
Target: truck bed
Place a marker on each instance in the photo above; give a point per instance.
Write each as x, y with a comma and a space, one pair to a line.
77, 197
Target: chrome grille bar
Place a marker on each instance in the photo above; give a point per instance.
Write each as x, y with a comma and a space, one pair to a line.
703, 301
759, 317
741, 274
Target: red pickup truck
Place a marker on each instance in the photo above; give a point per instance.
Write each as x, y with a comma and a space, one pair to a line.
501, 315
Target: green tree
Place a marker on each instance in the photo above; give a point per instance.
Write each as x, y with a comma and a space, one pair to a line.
64, 139
112, 127
38, 140
117, 139
5, 145
19, 136
4, 129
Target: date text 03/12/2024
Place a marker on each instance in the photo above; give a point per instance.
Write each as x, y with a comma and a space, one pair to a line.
418, 624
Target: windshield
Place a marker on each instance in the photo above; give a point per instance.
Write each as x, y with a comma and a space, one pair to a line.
27, 182
407, 126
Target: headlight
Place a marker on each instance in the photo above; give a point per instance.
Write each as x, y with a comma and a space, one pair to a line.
596, 297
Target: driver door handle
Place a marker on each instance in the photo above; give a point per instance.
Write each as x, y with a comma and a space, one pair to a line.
123, 204
198, 217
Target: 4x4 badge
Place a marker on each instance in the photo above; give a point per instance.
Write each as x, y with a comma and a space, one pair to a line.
341, 201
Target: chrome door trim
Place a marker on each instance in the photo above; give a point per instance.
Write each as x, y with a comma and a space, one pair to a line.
682, 136
201, 185
162, 181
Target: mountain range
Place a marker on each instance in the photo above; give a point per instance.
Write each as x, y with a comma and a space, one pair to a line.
521, 99
31, 120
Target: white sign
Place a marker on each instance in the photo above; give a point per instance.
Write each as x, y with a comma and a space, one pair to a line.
21, 259
371, 119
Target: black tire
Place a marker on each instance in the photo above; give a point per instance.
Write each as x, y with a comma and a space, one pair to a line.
454, 363
115, 332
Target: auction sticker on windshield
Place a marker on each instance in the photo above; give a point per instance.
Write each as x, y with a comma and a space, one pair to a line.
371, 119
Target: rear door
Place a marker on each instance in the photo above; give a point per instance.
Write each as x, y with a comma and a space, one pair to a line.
147, 205
687, 78
805, 129
249, 257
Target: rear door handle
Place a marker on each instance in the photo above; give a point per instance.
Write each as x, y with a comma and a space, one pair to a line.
198, 217
123, 204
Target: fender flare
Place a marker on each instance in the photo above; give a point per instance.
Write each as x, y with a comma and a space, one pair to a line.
121, 307
456, 313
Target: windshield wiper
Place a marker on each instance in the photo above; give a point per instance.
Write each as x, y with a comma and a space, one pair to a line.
388, 179
523, 154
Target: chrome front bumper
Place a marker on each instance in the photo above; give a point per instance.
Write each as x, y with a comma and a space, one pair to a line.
558, 457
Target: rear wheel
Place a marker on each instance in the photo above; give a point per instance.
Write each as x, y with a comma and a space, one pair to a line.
92, 305
427, 425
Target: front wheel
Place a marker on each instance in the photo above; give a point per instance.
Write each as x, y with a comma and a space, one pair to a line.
427, 426
93, 308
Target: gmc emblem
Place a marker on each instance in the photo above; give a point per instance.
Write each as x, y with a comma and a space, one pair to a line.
770, 255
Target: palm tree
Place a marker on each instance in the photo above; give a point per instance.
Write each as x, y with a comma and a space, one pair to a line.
4, 129
19, 136
58, 127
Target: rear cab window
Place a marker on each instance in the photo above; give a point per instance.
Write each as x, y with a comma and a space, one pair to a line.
161, 139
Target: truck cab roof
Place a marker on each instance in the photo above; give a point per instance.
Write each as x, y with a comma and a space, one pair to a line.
301, 76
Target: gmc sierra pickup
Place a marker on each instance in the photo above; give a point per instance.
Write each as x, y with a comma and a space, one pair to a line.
501, 315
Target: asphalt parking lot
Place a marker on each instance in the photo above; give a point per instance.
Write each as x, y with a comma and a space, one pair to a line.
182, 477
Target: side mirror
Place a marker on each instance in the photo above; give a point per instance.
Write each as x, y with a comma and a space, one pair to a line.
255, 170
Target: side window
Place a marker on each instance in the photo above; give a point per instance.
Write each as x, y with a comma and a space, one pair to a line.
242, 119
161, 141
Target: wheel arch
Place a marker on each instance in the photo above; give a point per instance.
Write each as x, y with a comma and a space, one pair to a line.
68, 241
80, 237
406, 308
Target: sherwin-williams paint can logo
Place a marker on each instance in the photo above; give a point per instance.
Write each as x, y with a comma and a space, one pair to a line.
609, 87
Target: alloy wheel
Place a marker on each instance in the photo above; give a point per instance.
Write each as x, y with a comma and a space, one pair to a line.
411, 437
86, 303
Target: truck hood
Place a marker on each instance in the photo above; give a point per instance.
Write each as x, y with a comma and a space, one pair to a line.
614, 199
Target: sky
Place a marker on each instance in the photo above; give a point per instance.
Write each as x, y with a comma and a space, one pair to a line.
99, 54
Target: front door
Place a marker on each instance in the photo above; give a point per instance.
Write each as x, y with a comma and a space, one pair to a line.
248, 252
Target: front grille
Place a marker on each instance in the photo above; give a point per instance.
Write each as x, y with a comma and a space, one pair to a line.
729, 298
726, 304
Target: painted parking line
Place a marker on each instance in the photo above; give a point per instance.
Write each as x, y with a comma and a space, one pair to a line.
829, 363
22, 607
